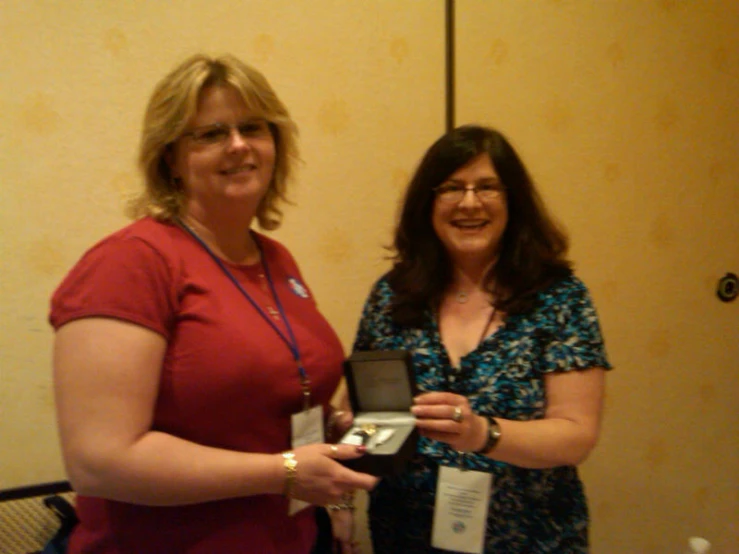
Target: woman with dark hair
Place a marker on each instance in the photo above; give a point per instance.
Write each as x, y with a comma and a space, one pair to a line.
507, 352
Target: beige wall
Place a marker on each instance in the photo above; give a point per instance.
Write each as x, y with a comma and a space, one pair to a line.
625, 112
364, 82
621, 108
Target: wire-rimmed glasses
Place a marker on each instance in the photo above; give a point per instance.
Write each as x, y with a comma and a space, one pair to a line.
220, 133
453, 192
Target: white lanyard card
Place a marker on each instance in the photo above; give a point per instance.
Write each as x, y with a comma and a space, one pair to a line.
461, 510
307, 428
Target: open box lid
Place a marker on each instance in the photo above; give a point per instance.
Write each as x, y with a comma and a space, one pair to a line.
381, 386
380, 381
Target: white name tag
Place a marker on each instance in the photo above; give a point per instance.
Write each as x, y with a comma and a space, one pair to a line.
461, 510
307, 428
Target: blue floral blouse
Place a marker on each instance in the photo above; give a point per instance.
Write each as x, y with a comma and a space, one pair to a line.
531, 511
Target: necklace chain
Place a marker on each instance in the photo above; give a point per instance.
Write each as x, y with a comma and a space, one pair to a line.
462, 297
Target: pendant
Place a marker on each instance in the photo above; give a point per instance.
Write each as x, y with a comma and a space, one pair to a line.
462, 297
365, 432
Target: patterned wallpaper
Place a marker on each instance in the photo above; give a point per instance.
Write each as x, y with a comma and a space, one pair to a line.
363, 82
621, 108
624, 112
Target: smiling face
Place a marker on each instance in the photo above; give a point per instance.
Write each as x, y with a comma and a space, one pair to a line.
221, 172
471, 229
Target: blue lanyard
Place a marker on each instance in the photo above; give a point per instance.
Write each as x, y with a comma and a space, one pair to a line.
290, 341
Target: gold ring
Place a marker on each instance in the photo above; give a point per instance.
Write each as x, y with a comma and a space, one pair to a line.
458, 417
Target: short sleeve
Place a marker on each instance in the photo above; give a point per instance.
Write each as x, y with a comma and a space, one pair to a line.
571, 337
375, 325
122, 277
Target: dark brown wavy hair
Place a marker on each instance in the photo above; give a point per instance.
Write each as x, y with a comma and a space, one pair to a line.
532, 253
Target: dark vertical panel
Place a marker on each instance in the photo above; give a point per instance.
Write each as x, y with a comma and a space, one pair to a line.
449, 65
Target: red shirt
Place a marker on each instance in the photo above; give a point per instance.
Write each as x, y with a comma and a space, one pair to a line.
228, 380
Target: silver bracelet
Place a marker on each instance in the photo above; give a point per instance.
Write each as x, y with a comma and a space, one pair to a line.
347, 503
338, 507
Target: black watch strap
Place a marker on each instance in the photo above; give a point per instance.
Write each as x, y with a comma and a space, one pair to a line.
493, 436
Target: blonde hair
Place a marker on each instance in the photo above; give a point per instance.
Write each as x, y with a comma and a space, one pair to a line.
172, 105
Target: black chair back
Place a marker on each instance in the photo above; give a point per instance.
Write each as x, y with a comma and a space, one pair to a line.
33, 515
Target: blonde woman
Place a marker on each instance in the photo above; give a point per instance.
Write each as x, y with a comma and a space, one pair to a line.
192, 368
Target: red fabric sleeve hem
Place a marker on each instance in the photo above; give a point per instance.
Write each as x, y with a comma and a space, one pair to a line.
135, 319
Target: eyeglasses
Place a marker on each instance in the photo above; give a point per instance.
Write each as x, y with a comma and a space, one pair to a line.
220, 133
453, 192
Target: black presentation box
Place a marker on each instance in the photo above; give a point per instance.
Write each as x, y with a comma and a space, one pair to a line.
381, 388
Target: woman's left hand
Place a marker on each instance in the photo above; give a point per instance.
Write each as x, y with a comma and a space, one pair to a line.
447, 417
342, 525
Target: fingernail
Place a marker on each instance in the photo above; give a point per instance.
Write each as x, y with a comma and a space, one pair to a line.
361, 449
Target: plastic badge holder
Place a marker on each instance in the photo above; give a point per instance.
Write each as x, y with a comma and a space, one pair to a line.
381, 388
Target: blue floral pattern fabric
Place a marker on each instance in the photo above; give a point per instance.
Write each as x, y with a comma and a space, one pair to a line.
530, 511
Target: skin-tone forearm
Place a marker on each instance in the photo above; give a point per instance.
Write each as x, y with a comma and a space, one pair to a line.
163, 470
106, 377
160, 469
542, 443
565, 436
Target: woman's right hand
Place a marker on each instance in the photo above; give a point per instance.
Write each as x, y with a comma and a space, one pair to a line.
342, 527
321, 479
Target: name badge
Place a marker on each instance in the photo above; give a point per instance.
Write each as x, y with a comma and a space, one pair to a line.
307, 428
461, 510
